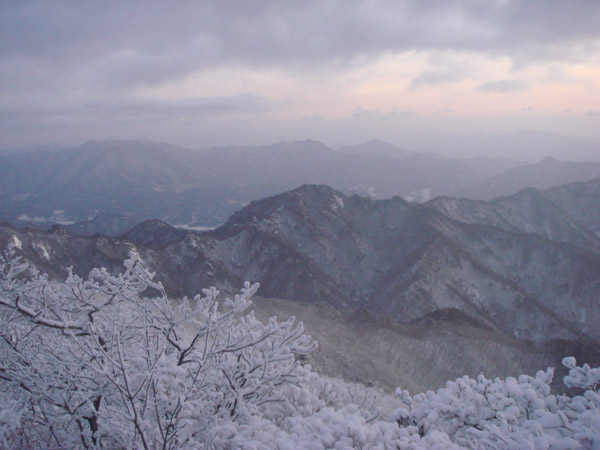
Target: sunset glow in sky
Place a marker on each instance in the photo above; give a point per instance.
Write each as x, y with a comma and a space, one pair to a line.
225, 72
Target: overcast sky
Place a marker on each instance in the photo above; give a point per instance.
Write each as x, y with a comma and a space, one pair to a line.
203, 73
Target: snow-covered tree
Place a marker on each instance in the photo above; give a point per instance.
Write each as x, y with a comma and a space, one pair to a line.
111, 362
519, 413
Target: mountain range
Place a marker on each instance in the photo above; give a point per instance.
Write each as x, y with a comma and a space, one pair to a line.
130, 181
549, 172
519, 272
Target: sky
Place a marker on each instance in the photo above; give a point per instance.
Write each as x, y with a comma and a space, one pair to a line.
203, 73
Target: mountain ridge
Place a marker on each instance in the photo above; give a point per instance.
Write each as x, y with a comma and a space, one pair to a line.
144, 179
390, 256
317, 249
545, 174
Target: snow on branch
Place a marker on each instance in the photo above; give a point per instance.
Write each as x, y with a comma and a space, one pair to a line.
95, 363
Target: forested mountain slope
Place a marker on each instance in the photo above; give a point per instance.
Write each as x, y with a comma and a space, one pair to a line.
520, 265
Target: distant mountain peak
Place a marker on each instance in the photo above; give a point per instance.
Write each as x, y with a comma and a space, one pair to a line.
316, 189
58, 229
301, 145
311, 196
379, 143
154, 233
150, 225
547, 173
377, 147
549, 160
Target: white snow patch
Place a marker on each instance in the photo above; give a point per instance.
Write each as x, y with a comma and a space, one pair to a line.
41, 251
61, 221
190, 227
57, 217
35, 219
371, 191
419, 196
338, 202
17, 242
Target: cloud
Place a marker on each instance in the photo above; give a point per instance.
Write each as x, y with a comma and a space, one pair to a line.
137, 41
593, 113
504, 86
313, 118
435, 77
445, 111
71, 60
110, 112
123, 44
361, 113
